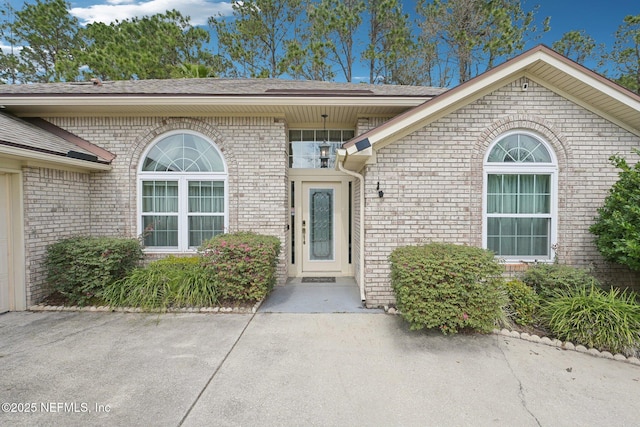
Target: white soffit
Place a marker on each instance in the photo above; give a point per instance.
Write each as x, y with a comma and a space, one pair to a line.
542, 65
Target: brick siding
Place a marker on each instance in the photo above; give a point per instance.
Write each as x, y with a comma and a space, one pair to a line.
56, 206
432, 179
254, 149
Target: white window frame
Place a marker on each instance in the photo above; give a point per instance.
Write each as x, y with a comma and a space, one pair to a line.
526, 168
183, 179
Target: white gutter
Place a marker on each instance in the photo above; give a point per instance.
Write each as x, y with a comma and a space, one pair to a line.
25, 154
341, 157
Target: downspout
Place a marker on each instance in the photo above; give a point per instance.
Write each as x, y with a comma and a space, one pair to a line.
340, 162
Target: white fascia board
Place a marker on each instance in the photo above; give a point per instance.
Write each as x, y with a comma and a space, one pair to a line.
106, 100
598, 84
30, 155
420, 116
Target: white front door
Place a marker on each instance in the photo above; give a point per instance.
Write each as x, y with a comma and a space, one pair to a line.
4, 243
322, 228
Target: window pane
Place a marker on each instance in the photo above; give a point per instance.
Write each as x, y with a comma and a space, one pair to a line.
304, 147
183, 153
520, 148
519, 236
518, 194
160, 196
160, 230
509, 193
204, 227
308, 135
206, 196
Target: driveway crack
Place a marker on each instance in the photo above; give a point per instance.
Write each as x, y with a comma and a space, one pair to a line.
215, 372
521, 395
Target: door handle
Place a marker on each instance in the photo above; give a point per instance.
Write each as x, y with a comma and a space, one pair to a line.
304, 232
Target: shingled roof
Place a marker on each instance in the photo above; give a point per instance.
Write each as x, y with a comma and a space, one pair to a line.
48, 139
215, 86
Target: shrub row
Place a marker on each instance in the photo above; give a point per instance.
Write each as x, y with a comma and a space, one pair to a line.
80, 267
230, 268
453, 287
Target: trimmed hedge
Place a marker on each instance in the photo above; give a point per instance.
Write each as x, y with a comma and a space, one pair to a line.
524, 302
448, 286
80, 267
243, 263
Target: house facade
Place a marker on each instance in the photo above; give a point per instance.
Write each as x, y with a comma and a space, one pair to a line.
515, 160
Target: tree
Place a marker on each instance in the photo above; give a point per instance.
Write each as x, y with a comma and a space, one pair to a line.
255, 40
625, 55
473, 35
151, 47
391, 47
47, 36
577, 45
334, 23
617, 226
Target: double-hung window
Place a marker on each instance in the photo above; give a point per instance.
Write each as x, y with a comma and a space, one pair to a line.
182, 187
520, 203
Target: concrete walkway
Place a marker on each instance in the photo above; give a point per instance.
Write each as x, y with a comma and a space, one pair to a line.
292, 369
341, 296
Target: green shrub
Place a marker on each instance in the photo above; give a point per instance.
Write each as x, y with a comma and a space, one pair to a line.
447, 286
523, 304
169, 282
594, 318
617, 226
243, 264
546, 279
80, 267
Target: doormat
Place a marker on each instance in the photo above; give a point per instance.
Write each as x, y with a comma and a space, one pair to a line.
318, 280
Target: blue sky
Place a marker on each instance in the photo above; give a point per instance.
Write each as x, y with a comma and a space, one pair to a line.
599, 18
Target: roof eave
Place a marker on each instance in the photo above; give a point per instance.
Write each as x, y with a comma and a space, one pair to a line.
439, 106
60, 159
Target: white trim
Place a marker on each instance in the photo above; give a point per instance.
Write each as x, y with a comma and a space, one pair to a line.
22, 153
551, 169
183, 179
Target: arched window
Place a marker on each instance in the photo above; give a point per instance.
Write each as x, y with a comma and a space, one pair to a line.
520, 203
182, 188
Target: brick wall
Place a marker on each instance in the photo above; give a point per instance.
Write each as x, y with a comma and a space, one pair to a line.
253, 148
56, 206
432, 179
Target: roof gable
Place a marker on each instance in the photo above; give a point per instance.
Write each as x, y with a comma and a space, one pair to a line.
540, 64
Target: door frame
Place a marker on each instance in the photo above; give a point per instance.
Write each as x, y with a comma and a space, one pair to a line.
13, 209
298, 179
333, 265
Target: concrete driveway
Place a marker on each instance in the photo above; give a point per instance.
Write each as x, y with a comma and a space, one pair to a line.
286, 369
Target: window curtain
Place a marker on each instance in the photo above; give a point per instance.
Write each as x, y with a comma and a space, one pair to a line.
207, 198
160, 197
510, 198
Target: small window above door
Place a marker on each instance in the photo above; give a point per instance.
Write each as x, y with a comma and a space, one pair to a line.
304, 146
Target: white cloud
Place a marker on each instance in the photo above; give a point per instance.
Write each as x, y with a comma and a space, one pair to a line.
198, 10
6, 49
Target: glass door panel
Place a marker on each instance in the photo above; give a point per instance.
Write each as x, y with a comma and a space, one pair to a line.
321, 228
321, 224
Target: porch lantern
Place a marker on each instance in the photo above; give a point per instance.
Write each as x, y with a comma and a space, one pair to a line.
324, 148
324, 155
